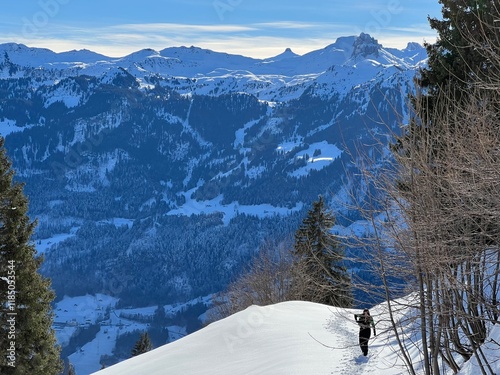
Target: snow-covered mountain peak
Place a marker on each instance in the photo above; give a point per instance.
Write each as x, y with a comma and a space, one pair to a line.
286, 54
362, 50
365, 46
13, 47
35, 57
119, 77
415, 53
200, 54
140, 55
413, 46
368, 53
26, 56
83, 56
345, 43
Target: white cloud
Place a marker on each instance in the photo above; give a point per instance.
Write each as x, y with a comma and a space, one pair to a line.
288, 25
179, 28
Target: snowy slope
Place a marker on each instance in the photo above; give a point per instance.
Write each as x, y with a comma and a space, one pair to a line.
282, 339
277, 339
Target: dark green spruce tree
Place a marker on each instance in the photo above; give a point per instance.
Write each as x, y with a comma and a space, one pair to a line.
142, 345
321, 259
460, 54
27, 341
463, 57
468, 35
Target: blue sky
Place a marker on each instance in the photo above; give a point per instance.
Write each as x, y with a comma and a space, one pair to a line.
256, 28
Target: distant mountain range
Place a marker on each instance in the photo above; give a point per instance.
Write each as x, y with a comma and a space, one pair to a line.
193, 61
156, 176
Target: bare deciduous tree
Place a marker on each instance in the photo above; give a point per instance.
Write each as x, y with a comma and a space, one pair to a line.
268, 280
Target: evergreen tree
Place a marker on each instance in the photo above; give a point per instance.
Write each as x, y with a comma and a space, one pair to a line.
27, 341
158, 333
455, 58
159, 317
320, 257
462, 61
461, 77
142, 345
463, 55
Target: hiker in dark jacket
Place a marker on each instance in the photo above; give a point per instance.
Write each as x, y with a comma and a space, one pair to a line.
365, 322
